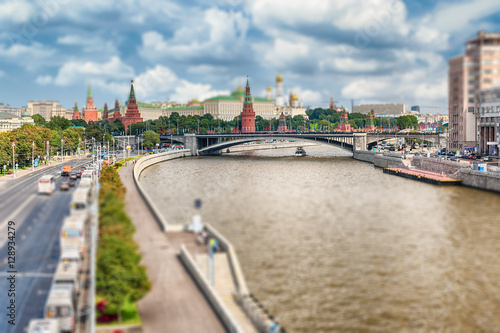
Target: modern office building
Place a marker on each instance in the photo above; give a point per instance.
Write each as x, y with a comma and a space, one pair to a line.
478, 69
48, 109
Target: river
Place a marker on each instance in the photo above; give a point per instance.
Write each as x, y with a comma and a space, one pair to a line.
330, 244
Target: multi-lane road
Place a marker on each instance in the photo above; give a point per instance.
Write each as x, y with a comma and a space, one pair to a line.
38, 220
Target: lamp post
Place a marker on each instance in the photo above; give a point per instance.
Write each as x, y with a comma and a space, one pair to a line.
33, 156
48, 156
177, 126
198, 126
62, 149
13, 161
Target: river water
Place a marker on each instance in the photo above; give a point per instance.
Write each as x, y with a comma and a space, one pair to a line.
330, 244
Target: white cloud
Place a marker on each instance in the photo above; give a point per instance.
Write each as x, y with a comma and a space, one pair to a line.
76, 71
215, 35
89, 44
15, 11
29, 56
44, 80
161, 82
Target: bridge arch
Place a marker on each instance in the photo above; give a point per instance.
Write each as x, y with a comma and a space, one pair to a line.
217, 147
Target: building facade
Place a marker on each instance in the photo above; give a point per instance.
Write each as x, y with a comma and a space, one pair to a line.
478, 69
393, 109
8, 121
229, 107
489, 121
48, 109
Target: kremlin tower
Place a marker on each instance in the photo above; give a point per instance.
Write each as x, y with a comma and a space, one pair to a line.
282, 123
132, 115
90, 112
76, 112
332, 104
248, 115
369, 126
344, 121
117, 114
105, 112
279, 91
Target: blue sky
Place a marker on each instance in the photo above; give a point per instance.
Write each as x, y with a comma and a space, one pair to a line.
372, 51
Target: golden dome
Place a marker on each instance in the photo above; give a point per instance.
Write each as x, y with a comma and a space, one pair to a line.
295, 97
239, 89
269, 88
279, 78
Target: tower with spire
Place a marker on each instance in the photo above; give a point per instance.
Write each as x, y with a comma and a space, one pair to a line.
344, 121
90, 112
105, 112
116, 112
332, 104
370, 126
132, 115
248, 115
76, 112
282, 123
279, 91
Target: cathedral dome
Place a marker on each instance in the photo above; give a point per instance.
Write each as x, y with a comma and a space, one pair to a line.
269, 88
279, 78
295, 97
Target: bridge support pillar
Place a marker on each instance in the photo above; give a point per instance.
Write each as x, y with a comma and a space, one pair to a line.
191, 143
360, 141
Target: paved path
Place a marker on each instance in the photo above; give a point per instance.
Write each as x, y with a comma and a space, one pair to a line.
175, 304
225, 287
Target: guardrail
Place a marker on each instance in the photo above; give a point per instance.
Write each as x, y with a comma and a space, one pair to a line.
223, 313
147, 161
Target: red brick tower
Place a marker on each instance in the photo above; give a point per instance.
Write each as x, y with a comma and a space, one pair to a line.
90, 112
76, 112
370, 126
282, 123
132, 115
248, 115
105, 112
117, 114
344, 121
332, 104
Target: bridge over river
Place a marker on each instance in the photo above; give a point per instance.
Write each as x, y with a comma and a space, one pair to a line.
210, 144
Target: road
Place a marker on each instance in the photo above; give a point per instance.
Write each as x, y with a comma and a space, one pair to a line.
38, 220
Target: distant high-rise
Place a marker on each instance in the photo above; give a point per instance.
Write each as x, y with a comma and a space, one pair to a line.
476, 70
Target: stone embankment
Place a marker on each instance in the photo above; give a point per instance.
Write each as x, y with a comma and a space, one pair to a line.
484, 180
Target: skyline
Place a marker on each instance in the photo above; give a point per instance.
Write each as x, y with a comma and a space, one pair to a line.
382, 52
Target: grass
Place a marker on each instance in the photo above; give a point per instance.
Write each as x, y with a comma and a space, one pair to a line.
126, 160
130, 315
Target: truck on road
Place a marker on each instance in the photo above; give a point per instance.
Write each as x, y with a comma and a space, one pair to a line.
66, 170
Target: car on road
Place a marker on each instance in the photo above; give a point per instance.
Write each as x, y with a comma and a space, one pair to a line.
72, 182
73, 176
487, 159
79, 174
64, 186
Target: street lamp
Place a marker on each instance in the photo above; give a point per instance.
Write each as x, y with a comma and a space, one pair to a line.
48, 156
13, 161
33, 156
62, 149
198, 126
177, 126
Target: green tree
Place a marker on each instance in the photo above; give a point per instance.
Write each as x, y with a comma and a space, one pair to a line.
39, 120
408, 121
150, 139
58, 123
79, 122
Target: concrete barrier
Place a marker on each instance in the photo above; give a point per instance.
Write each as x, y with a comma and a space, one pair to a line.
147, 161
378, 159
220, 309
234, 263
483, 180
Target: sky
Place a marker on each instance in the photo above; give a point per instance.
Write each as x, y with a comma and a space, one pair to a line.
370, 51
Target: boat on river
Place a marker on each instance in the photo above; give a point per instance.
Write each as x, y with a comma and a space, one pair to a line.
300, 152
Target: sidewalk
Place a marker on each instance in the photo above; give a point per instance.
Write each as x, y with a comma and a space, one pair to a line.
175, 304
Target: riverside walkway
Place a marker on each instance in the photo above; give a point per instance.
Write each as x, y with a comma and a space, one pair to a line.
174, 304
